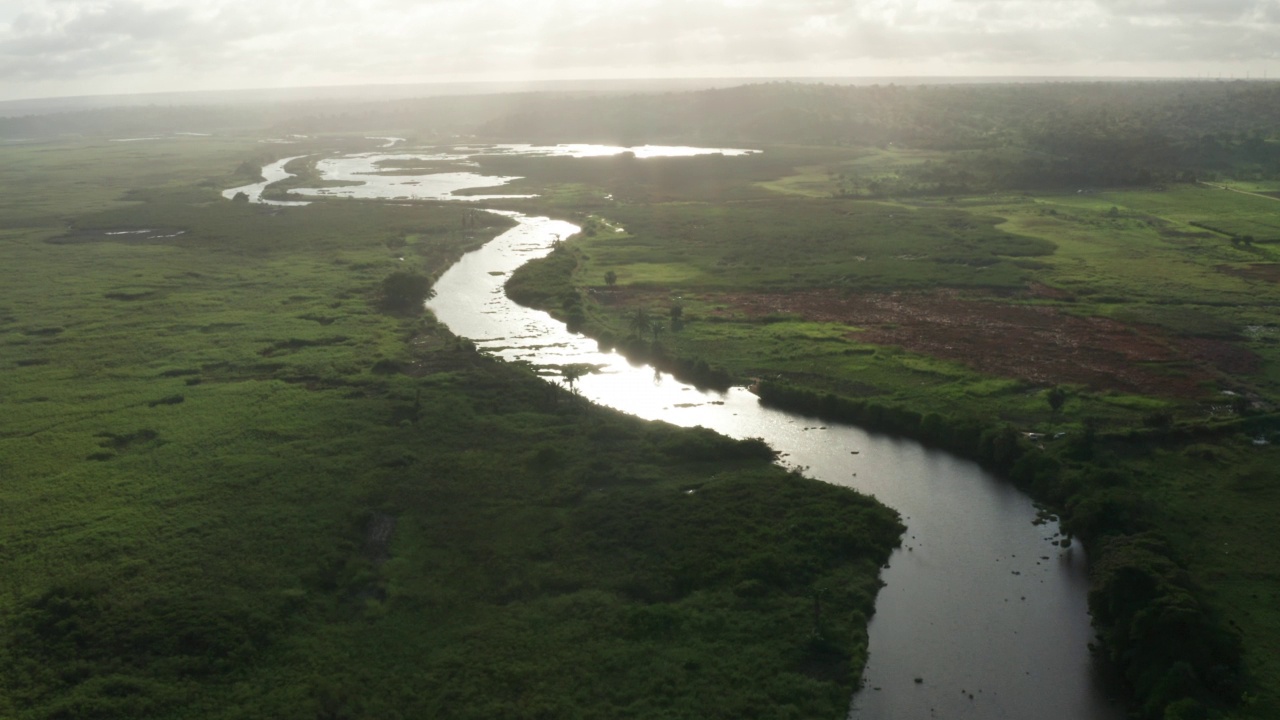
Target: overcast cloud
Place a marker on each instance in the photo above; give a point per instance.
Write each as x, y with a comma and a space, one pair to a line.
80, 47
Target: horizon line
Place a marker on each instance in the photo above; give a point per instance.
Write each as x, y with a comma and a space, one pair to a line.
744, 80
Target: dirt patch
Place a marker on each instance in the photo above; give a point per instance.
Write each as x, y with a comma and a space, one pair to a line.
628, 296
1270, 272
1042, 345
1225, 356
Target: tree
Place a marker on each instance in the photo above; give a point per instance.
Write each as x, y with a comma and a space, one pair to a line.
611, 278
640, 323
571, 373
404, 291
249, 170
1057, 397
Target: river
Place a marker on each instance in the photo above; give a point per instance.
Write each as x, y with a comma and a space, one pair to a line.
983, 614
272, 173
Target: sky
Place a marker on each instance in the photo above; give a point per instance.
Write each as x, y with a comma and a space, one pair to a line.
51, 48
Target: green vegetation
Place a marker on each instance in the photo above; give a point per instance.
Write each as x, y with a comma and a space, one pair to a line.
942, 365
759, 245
243, 477
404, 291
235, 457
1113, 351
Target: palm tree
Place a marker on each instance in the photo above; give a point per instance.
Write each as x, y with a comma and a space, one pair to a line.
656, 327
571, 373
640, 322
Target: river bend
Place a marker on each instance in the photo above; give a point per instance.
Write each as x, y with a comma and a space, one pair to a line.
983, 614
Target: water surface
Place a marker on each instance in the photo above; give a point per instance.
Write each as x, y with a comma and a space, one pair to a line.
272, 173
370, 177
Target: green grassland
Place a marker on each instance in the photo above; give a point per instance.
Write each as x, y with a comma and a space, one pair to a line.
1206, 206
1179, 469
758, 245
853, 173
1269, 188
233, 486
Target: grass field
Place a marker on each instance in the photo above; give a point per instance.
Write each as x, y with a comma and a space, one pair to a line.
1203, 206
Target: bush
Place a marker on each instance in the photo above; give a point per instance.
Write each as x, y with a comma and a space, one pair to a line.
1153, 625
404, 291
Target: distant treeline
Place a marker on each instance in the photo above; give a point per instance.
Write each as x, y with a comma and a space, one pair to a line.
1062, 134
1010, 136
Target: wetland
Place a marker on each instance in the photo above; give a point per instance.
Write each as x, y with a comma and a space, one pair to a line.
242, 468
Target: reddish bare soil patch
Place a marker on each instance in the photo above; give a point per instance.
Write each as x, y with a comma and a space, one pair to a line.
1224, 356
1038, 344
1269, 272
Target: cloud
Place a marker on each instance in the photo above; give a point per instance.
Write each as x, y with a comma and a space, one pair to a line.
1187, 9
70, 39
170, 44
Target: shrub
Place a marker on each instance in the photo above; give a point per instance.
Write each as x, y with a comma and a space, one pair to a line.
404, 291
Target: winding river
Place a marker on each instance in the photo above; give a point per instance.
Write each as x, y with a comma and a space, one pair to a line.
983, 614
272, 173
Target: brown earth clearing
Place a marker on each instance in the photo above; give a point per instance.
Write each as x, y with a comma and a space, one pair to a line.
1038, 344
1269, 272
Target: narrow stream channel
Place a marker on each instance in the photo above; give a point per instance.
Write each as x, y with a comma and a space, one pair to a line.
983, 615
274, 172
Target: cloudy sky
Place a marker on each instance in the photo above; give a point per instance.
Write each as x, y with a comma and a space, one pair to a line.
85, 47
